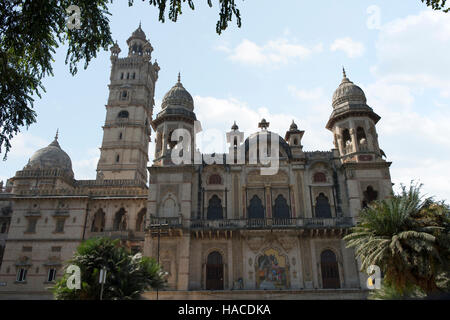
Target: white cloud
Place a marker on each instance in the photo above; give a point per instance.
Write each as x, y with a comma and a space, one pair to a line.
411, 94
86, 167
218, 115
307, 95
414, 50
352, 48
273, 52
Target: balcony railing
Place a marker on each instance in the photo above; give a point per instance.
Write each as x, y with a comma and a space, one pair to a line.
263, 223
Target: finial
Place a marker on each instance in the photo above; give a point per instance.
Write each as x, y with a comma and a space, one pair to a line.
179, 77
56, 136
139, 24
263, 124
235, 126
343, 72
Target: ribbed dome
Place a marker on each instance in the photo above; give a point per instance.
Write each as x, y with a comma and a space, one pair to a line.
178, 96
348, 92
138, 33
50, 157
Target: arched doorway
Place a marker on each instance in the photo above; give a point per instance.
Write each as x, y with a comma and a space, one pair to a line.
214, 271
330, 270
323, 209
140, 220
98, 223
215, 210
120, 220
281, 208
255, 209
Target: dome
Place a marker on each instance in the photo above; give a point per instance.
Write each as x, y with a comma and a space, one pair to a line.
178, 96
138, 34
50, 157
348, 92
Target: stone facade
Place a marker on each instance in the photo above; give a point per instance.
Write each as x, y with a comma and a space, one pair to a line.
214, 227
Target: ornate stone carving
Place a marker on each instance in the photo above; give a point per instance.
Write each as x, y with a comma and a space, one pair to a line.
255, 243
287, 243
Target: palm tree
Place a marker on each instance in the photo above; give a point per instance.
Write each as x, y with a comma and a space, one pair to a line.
127, 275
408, 237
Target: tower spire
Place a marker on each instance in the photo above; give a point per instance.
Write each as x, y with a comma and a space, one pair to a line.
179, 77
56, 136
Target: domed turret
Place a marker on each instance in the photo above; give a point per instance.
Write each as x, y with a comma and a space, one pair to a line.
348, 92
50, 157
178, 96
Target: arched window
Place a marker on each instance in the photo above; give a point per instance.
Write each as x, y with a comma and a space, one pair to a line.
120, 220
215, 210
215, 179
214, 271
3, 228
330, 270
347, 141
98, 224
120, 136
134, 75
140, 220
295, 141
323, 209
255, 209
319, 177
360, 134
369, 195
117, 158
123, 114
169, 208
281, 208
121, 76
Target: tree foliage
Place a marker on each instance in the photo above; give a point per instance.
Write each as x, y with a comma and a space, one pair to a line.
437, 5
30, 32
127, 275
408, 237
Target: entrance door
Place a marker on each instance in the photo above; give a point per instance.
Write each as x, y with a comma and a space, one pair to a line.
214, 271
330, 270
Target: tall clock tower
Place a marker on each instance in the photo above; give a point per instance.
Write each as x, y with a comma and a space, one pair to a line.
126, 133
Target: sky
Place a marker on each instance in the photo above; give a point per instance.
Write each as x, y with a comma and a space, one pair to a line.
283, 64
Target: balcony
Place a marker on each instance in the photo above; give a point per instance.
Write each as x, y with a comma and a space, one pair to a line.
264, 223
113, 234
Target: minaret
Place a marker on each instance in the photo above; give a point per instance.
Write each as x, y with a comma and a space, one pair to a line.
177, 112
126, 133
353, 124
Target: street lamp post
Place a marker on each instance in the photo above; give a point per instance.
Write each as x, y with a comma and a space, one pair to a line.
158, 225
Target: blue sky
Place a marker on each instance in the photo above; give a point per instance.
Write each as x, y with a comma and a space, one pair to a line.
284, 63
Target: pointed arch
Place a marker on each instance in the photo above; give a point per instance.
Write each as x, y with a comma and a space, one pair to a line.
281, 208
98, 223
140, 220
256, 208
215, 209
322, 208
120, 220
169, 206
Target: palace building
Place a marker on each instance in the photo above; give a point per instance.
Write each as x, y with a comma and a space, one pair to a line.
221, 230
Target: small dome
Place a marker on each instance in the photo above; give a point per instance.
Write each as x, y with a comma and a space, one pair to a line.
293, 126
348, 92
139, 33
50, 157
178, 96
